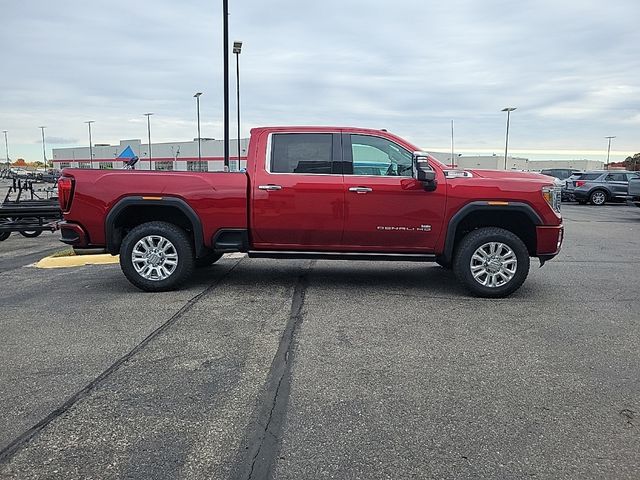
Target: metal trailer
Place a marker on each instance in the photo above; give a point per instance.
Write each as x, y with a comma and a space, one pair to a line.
28, 213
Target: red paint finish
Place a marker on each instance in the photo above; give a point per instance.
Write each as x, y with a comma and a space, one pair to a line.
219, 199
315, 212
549, 239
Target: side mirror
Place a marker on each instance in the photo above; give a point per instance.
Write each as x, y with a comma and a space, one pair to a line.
423, 171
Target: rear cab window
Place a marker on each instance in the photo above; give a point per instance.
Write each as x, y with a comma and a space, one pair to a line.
303, 153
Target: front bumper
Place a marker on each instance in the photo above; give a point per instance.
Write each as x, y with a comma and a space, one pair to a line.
549, 241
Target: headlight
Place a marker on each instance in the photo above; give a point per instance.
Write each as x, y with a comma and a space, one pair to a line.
553, 196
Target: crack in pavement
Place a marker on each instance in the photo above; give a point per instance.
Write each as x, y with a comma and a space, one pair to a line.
263, 442
20, 441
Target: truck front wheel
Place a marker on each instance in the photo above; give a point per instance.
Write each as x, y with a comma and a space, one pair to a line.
491, 262
157, 256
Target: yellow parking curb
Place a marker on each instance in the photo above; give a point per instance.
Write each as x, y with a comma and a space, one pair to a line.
77, 261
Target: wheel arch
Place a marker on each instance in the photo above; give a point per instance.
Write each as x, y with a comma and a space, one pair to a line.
519, 218
130, 212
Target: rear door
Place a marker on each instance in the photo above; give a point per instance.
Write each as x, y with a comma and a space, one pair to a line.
297, 194
618, 184
386, 209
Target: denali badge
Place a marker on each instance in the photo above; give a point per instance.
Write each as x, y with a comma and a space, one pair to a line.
421, 228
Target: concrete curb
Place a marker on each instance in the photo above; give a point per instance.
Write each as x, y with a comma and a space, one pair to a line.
77, 261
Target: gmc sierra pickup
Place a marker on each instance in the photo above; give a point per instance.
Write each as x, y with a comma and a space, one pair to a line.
327, 193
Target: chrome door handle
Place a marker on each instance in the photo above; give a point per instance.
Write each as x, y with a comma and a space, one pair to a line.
361, 189
270, 188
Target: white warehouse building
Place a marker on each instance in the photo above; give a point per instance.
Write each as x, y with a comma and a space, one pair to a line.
180, 156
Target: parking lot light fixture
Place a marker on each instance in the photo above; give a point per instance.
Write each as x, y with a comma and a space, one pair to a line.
148, 115
237, 48
506, 142
197, 97
6, 146
44, 147
90, 143
609, 149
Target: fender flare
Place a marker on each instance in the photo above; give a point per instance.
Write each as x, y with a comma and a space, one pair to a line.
483, 206
112, 239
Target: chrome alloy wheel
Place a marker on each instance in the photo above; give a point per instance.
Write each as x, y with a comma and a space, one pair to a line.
598, 198
154, 257
493, 264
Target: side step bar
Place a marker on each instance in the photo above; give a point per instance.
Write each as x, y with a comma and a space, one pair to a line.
398, 257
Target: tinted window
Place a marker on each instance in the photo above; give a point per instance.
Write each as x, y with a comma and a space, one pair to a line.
616, 177
379, 156
301, 152
633, 175
590, 176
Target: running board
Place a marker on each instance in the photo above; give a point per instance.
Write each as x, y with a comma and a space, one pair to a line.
397, 257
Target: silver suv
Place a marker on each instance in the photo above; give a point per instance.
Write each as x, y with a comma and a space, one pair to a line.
599, 187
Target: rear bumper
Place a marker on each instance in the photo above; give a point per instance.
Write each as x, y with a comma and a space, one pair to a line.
73, 234
549, 241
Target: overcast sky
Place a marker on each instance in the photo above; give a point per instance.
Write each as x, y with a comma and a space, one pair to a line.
572, 67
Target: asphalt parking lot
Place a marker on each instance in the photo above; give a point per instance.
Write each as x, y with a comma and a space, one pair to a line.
354, 370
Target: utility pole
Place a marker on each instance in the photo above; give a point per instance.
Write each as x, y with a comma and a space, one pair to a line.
197, 96
90, 143
6, 146
609, 150
148, 115
506, 143
452, 161
225, 47
44, 148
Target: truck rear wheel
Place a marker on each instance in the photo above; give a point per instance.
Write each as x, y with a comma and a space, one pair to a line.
491, 262
157, 256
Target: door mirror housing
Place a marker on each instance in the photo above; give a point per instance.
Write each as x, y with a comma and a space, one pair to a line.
422, 171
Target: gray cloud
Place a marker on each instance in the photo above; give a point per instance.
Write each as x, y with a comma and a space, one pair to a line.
409, 66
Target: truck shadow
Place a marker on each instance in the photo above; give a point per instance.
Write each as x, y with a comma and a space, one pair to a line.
353, 276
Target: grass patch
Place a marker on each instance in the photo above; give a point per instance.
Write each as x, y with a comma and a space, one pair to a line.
67, 252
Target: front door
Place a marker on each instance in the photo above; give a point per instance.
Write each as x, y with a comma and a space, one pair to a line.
386, 209
298, 194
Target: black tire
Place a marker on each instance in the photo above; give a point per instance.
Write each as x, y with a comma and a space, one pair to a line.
478, 238
182, 247
598, 197
209, 259
4, 236
32, 234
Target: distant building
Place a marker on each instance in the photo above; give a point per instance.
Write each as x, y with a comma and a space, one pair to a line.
496, 162
181, 156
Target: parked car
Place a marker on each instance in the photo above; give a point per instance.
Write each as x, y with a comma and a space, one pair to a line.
601, 186
562, 174
634, 190
314, 192
569, 187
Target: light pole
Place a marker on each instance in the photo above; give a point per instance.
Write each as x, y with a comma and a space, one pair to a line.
225, 56
609, 149
44, 148
6, 146
452, 161
237, 48
197, 96
506, 143
90, 143
148, 115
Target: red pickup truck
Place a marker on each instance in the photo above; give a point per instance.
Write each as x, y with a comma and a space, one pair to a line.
318, 192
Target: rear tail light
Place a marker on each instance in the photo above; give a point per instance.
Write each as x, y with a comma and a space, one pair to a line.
580, 183
65, 192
